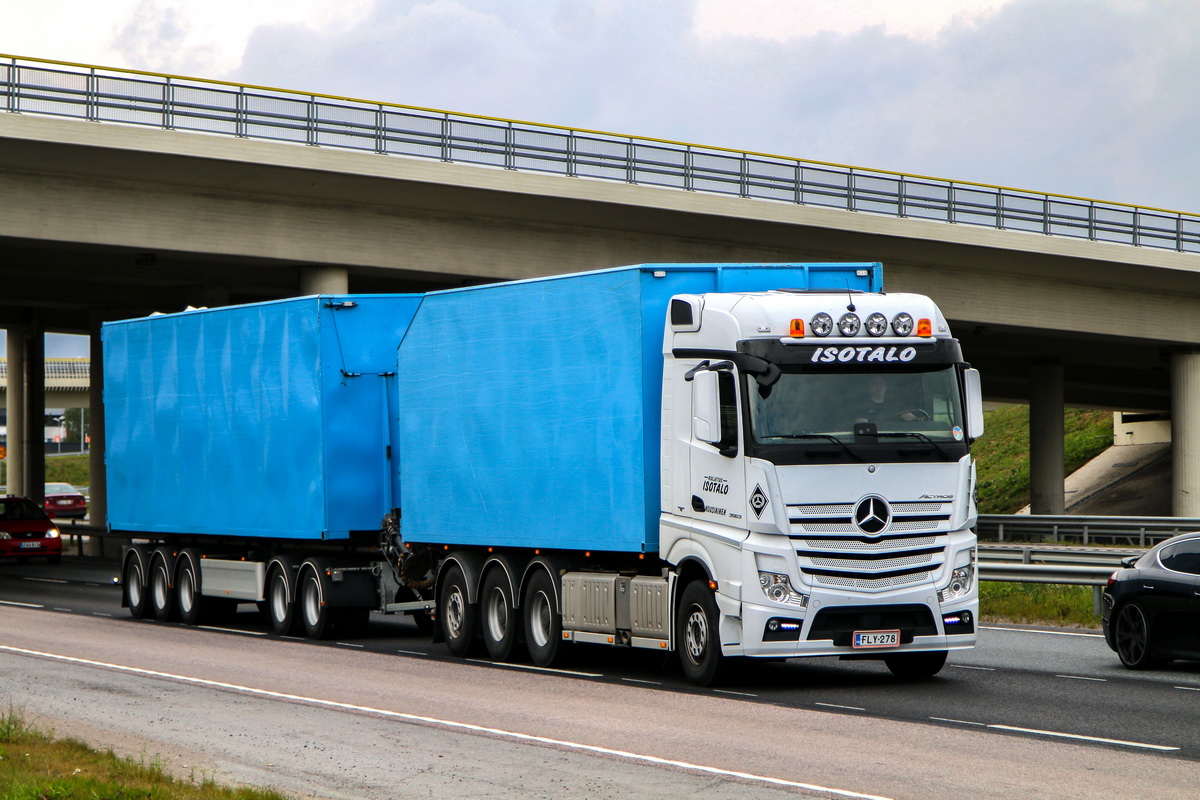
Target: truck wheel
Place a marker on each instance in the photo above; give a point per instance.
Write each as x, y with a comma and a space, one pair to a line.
162, 599
455, 614
696, 635
135, 588
499, 620
543, 623
187, 590
279, 606
317, 617
913, 666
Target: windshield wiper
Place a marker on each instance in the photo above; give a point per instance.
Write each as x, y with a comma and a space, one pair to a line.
826, 436
920, 436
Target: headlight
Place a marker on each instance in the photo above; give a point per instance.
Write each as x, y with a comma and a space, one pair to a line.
821, 324
5, 535
849, 324
961, 581
52, 533
778, 588
902, 324
877, 324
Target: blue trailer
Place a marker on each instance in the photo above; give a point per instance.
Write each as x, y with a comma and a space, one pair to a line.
648, 456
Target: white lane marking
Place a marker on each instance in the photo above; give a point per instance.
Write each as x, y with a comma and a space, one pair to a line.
411, 653
959, 721
835, 705
1082, 678
19, 605
639, 680
68, 610
739, 694
229, 630
523, 737
532, 668
350, 644
99, 614
1048, 633
46, 580
966, 666
1189, 688
1083, 738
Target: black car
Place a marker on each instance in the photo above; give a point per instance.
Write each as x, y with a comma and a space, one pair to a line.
1152, 607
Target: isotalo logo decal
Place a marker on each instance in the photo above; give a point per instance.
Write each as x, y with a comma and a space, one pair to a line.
828, 355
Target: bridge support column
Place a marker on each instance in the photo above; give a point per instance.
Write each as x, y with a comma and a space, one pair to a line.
1185, 434
33, 433
324, 280
1046, 449
14, 471
98, 482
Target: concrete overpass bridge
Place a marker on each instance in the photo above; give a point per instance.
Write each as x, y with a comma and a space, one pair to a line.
123, 193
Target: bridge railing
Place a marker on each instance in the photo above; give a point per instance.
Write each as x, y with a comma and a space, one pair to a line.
1140, 532
37, 86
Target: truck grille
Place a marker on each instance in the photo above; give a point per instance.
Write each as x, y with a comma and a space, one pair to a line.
833, 551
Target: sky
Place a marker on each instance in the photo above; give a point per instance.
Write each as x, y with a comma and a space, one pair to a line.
1087, 98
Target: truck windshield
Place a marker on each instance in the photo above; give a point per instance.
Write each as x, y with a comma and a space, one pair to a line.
848, 409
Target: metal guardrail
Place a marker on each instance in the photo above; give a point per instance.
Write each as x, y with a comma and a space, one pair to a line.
1140, 532
101, 94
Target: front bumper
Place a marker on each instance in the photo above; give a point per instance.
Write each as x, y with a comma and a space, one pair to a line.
828, 625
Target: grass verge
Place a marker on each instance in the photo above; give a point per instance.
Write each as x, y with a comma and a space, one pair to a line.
1037, 604
34, 766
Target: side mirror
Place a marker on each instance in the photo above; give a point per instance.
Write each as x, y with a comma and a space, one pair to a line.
706, 407
974, 400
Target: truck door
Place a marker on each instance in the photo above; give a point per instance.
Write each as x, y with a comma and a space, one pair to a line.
717, 479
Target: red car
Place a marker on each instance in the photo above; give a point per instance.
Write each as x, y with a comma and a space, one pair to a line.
65, 500
26, 530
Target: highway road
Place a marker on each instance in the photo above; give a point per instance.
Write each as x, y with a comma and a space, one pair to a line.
1045, 713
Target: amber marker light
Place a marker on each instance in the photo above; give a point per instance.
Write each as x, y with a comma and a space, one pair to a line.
924, 327
797, 329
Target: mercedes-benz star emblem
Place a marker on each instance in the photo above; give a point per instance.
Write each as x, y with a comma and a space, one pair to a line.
872, 515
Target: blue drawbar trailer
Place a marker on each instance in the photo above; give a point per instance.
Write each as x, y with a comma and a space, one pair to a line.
656, 456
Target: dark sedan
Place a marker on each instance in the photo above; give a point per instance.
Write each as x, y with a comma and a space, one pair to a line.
1152, 607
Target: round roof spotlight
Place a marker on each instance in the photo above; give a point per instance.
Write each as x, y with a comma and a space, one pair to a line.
902, 324
877, 324
849, 324
821, 324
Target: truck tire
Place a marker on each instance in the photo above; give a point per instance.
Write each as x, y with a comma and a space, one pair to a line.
162, 599
697, 637
279, 605
543, 623
187, 589
455, 614
134, 585
914, 666
498, 617
318, 618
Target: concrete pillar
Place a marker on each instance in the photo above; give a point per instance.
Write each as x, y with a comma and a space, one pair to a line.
1185, 433
34, 434
1046, 410
98, 483
15, 402
324, 280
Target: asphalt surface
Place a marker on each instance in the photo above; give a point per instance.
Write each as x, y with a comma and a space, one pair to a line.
210, 700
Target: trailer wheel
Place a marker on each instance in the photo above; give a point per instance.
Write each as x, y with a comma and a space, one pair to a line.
913, 666
187, 590
279, 606
696, 635
499, 620
317, 617
135, 588
162, 599
543, 623
455, 614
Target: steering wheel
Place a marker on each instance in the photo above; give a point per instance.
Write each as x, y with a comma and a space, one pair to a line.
919, 414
